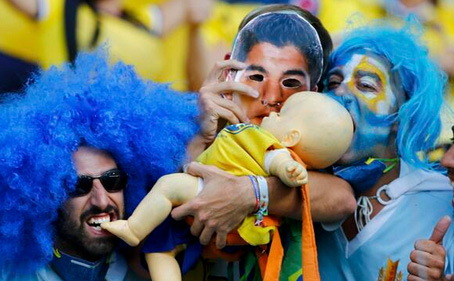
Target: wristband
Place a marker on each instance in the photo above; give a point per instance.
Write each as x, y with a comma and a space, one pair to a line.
256, 192
263, 200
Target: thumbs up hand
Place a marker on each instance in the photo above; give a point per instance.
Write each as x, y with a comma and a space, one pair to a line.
428, 257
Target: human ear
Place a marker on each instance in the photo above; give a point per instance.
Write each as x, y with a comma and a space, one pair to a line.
292, 138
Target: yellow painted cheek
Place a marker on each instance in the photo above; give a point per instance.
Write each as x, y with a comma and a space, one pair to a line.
380, 97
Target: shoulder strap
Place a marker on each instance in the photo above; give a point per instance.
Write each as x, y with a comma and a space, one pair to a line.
309, 248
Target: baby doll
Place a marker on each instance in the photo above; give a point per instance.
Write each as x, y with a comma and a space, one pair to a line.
317, 128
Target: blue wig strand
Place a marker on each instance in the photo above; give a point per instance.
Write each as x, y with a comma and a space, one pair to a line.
144, 126
420, 78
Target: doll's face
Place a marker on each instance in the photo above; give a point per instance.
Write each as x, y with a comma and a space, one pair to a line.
279, 124
308, 123
276, 73
365, 85
78, 231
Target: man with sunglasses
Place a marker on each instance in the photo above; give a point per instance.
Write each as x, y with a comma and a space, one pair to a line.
98, 197
81, 147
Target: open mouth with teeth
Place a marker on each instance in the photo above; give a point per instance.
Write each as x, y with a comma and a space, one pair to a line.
94, 222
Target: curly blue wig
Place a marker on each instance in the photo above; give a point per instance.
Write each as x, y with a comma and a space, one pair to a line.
144, 126
419, 77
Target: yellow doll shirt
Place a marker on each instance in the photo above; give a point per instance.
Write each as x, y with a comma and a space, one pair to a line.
240, 150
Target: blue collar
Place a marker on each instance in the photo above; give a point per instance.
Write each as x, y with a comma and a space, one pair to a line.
74, 269
364, 174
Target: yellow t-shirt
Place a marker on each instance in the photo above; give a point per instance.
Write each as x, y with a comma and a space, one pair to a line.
124, 40
18, 34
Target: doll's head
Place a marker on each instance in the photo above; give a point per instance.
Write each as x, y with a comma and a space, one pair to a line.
315, 126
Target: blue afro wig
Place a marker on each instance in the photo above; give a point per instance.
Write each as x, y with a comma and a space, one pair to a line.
144, 126
420, 78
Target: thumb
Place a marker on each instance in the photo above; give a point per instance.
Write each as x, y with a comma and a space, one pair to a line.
182, 211
440, 230
196, 169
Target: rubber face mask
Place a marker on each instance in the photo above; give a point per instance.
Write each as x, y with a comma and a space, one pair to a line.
363, 84
283, 56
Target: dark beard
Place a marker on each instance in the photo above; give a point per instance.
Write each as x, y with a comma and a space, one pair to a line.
74, 240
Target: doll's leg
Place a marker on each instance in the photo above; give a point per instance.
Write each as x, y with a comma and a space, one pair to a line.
163, 266
170, 190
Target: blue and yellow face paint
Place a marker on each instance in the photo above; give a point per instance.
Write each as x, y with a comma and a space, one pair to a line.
363, 83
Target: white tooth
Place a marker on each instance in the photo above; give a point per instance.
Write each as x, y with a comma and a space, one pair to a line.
99, 220
97, 228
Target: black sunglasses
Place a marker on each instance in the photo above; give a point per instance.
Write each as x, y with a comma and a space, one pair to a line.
112, 180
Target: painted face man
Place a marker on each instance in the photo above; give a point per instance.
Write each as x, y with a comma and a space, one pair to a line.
364, 84
394, 93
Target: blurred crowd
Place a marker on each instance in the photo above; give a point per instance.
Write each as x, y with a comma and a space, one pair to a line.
178, 41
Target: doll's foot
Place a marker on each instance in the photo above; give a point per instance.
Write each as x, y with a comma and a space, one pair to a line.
120, 228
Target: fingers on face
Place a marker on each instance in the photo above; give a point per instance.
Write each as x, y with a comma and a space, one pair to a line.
219, 107
218, 72
219, 88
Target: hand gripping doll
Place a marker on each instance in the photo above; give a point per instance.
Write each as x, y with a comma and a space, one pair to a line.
315, 127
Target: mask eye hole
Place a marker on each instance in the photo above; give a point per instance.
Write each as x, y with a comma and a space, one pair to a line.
256, 77
291, 83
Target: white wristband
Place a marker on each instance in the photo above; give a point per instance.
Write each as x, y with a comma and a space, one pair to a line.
264, 199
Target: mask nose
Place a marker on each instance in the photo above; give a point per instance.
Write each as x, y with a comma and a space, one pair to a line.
272, 95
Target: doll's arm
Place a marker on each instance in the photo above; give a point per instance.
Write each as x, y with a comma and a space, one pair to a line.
279, 163
170, 190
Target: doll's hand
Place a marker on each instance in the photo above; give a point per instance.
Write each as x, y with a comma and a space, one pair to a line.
213, 104
221, 206
295, 174
428, 258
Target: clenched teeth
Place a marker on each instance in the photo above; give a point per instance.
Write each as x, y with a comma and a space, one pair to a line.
96, 221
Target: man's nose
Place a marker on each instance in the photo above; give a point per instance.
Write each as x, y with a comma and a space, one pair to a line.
341, 90
99, 196
448, 158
